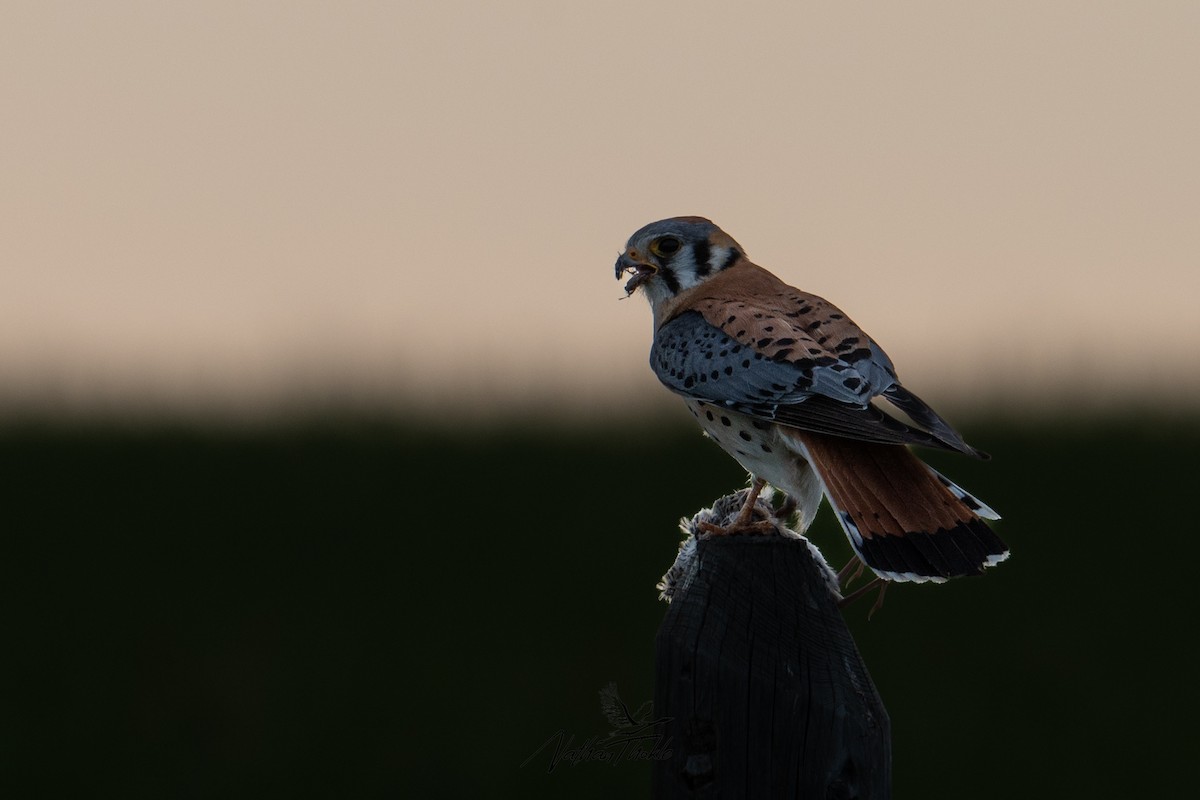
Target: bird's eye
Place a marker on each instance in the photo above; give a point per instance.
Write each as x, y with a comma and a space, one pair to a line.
666, 246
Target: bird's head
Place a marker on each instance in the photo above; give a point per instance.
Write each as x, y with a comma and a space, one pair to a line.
669, 256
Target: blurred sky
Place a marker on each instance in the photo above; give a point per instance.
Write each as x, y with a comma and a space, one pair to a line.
245, 204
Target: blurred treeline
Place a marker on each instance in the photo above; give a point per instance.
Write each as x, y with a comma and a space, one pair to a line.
360, 608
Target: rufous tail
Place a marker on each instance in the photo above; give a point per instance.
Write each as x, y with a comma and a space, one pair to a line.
906, 521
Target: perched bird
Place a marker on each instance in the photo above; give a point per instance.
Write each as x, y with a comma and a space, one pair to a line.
789, 386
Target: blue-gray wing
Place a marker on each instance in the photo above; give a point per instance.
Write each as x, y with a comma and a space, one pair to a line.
825, 393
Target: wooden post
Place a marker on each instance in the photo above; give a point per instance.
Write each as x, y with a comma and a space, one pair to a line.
762, 688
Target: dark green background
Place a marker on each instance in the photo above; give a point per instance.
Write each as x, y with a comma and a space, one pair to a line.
356, 608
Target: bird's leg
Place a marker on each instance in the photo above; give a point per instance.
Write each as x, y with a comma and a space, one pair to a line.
742, 523
851, 571
786, 509
879, 583
878, 601
747, 513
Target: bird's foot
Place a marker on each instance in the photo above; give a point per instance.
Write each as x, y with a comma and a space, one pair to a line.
737, 528
850, 572
744, 522
878, 583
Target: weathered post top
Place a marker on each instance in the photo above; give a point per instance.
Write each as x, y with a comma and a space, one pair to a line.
764, 691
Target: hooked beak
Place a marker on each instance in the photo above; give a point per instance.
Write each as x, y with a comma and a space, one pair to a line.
630, 262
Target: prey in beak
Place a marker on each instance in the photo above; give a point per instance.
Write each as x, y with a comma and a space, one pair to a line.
630, 263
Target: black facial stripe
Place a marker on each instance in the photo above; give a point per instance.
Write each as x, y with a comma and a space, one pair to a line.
701, 253
734, 255
668, 276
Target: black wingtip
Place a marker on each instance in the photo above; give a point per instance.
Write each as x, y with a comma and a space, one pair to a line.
926, 417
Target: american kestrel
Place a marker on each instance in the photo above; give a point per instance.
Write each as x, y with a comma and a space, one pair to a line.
789, 386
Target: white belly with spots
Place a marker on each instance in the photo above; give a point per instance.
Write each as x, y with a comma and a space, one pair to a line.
764, 452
